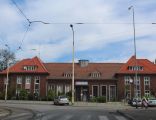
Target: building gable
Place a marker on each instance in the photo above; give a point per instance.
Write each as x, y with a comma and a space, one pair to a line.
33, 65
142, 66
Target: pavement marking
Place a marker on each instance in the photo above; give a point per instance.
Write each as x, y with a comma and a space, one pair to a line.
103, 118
120, 117
17, 115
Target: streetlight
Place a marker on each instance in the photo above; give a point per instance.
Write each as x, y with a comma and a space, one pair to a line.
7, 79
73, 51
136, 95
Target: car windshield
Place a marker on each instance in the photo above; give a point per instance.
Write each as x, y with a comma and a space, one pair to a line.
63, 97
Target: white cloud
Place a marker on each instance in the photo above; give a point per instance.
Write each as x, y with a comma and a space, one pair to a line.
56, 39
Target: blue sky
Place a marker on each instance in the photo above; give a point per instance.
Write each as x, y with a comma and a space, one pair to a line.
111, 41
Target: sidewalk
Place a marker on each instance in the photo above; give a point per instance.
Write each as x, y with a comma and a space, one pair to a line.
108, 105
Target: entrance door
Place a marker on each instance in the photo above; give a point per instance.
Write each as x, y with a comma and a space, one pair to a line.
82, 93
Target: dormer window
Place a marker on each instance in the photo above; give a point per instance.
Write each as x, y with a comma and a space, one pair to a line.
139, 68
95, 74
30, 68
67, 74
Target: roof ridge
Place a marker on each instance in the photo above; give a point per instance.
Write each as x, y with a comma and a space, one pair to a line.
41, 63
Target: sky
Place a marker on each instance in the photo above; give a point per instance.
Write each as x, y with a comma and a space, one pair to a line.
106, 35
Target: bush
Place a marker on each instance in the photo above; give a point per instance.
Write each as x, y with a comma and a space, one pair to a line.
51, 95
69, 95
93, 99
101, 99
23, 95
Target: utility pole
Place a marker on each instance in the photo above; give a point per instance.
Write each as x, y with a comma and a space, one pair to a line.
73, 55
135, 55
7, 79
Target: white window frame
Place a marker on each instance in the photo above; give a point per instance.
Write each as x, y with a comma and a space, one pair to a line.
127, 80
28, 80
67, 88
101, 90
97, 90
147, 80
59, 88
35, 83
115, 91
36, 79
19, 80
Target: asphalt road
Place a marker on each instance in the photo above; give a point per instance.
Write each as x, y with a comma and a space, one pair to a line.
51, 112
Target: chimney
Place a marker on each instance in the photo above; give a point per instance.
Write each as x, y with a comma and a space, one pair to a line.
83, 63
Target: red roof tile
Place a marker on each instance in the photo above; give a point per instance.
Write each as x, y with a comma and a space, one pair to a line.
107, 70
19, 67
148, 66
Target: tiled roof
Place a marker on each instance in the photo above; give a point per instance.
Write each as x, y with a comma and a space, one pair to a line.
148, 66
19, 66
107, 70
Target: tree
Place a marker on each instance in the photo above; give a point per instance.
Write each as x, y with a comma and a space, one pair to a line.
6, 56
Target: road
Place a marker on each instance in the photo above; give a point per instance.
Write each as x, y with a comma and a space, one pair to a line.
51, 112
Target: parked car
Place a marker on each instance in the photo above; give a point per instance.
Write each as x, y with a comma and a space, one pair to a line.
152, 102
137, 101
61, 100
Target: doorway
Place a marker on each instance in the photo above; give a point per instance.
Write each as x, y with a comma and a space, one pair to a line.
82, 93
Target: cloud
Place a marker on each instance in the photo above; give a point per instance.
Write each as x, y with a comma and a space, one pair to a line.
55, 40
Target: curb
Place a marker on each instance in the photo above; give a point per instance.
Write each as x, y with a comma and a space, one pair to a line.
125, 115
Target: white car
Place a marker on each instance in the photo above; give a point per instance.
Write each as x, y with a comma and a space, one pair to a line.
136, 101
61, 100
152, 102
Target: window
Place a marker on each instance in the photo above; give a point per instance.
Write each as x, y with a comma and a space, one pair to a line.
95, 90
140, 68
27, 80
59, 89
67, 74
104, 90
37, 85
37, 80
95, 74
19, 80
51, 87
146, 85
127, 80
31, 68
112, 92
146, 80
67, 88
147, 93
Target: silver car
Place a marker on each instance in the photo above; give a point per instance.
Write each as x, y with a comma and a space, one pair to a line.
61, 100
137, 101
152, 102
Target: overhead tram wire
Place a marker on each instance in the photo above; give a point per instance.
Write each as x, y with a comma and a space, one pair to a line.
29, 22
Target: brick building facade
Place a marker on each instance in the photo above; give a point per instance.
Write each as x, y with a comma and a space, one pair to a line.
115, 81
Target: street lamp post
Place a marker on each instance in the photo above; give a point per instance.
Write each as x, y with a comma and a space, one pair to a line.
73, 54
7, 79
135, 55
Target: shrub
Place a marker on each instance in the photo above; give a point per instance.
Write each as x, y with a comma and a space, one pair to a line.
23, 95
69, 95
101, 99
50, 95
93, 99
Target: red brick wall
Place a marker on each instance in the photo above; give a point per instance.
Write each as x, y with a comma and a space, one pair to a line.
121, 86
